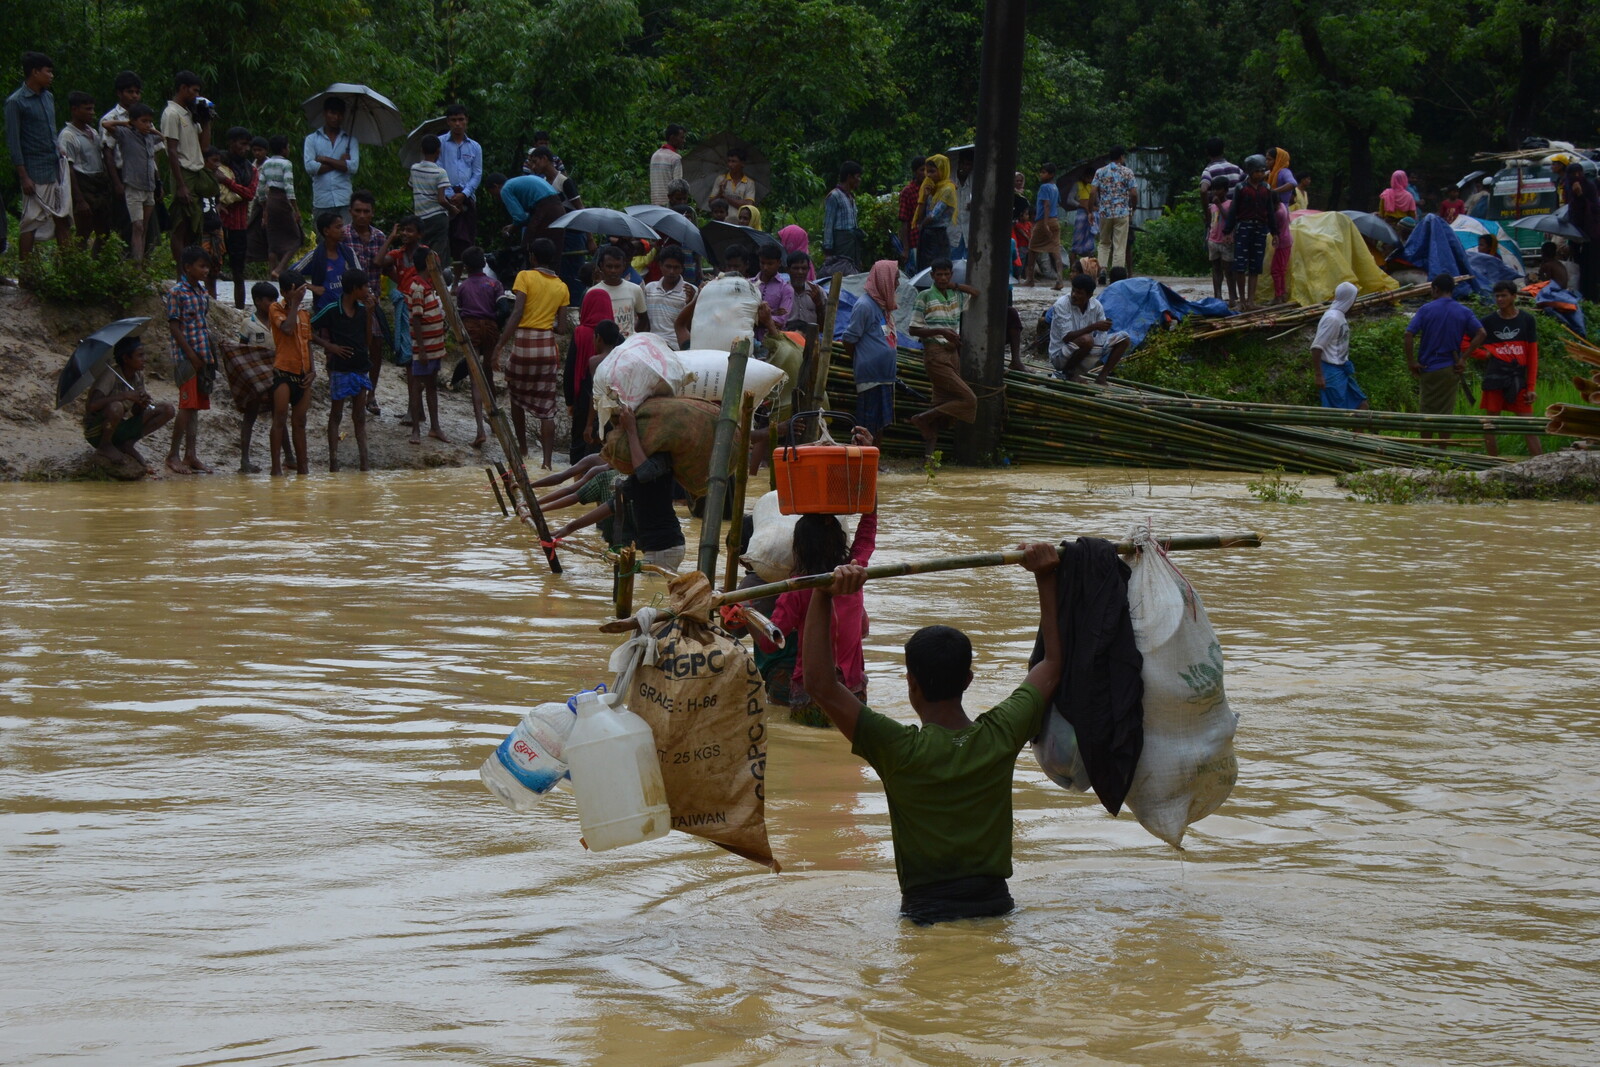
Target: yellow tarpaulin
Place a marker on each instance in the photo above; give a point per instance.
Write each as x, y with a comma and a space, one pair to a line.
1328, 250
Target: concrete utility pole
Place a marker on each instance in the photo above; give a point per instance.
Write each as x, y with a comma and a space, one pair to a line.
989, 227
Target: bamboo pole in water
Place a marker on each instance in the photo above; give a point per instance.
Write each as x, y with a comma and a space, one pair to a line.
1179, 543
741, 479
498, 498
721, 447
624, 581
497, 418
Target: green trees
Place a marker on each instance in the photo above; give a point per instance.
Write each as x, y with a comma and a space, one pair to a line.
1354, 88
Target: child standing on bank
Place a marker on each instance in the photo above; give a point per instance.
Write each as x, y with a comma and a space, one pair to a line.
1219, 245
347, 331
430, 196
83, 143
137, 143
292, 369
194, 358
280, 216
249, 367
1251, 216
427, 343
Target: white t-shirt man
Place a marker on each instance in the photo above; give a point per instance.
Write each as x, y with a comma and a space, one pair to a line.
627, 303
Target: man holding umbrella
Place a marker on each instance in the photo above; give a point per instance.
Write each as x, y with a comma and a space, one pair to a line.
119, 411
332, 158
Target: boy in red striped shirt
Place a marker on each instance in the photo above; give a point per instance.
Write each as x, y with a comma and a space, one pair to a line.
427, 343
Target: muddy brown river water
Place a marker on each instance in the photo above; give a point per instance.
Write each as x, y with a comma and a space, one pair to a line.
240, 725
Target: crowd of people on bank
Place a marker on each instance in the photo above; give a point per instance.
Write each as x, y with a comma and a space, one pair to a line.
362, 296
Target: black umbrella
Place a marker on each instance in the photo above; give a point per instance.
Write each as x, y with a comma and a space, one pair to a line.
80, 372
411, 151
708, 161
1373, 227
721, 236
604, 220
1556, 224
370, 117
669, 224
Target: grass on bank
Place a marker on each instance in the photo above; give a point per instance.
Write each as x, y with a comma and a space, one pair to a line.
1249, 367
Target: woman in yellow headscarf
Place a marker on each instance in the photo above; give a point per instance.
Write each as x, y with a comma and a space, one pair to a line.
937, 211
1280, 179
750, 215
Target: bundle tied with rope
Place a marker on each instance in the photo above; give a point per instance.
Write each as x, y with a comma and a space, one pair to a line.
699, 690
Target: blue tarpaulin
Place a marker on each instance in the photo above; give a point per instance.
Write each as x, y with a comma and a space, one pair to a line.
1434, 248
1490, 269
1552, 295
1135, 306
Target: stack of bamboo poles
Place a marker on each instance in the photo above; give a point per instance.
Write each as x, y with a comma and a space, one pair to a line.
1575, 419
1051, 421
1295, 317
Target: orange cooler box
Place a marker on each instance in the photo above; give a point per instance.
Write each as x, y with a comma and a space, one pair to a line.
826, 479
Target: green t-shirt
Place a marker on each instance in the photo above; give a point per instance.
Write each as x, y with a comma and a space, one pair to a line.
950, 790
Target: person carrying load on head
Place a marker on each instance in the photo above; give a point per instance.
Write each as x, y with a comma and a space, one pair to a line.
948, 779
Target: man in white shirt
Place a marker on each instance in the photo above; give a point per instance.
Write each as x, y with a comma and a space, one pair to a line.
628, 309
667, 163
1081, 334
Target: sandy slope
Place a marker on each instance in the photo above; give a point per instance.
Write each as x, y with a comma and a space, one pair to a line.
37, 441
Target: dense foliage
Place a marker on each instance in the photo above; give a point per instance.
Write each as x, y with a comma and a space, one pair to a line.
1353, 87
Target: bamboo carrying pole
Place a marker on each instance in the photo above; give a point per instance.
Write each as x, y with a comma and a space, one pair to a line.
497, 418
1180, 543
741, 479
721, 447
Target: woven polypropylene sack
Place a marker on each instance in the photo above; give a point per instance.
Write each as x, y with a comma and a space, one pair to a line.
703, 700
724, 311
1187, 767
636, 370
672, 424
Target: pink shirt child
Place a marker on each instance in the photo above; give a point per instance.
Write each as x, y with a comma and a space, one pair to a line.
849, 614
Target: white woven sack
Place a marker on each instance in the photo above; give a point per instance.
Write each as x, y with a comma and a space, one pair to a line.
724, 311
705, 373
1187, 767
771, 551
636, 370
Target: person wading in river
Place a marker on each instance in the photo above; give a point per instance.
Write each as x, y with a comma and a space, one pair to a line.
949, 781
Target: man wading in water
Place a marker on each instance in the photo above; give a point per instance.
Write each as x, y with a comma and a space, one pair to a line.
949, 782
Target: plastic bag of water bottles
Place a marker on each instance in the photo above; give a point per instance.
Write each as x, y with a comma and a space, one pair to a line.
528, 765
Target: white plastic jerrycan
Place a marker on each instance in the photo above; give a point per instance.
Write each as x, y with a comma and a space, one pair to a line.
529, 764
616, 775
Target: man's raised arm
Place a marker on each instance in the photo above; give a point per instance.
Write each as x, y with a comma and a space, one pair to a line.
1041, 559
820, 676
